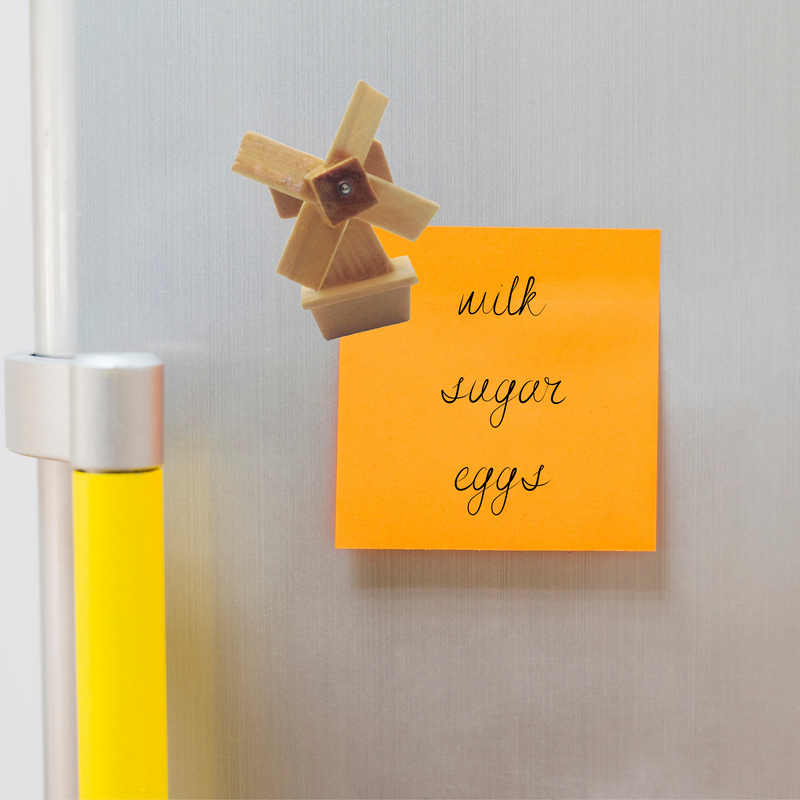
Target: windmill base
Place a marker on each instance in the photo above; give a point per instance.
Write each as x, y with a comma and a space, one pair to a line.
362, 306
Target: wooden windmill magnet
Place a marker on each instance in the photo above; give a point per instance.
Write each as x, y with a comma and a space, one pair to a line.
349, 283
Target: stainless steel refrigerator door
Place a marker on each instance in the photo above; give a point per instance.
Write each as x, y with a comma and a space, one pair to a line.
299, 671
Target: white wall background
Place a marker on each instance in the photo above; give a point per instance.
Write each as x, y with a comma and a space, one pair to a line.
20, 672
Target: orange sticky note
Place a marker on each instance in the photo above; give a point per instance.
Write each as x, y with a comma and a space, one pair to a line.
518, 409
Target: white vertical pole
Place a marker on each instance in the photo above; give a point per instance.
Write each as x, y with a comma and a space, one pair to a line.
54, 192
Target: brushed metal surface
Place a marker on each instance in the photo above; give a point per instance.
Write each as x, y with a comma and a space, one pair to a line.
299, 671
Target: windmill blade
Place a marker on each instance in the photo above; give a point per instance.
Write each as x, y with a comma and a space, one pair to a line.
398, 211
376, 163
310, 249
359, 124
287, 206
276, 165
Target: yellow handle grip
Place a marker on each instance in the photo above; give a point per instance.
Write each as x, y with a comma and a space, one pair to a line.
120, 634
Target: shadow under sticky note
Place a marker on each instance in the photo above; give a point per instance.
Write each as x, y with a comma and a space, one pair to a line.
518, 409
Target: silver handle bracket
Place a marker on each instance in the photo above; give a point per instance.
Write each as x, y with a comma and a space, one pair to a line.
102, 412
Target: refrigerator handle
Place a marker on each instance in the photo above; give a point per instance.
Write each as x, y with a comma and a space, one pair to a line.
104, 414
